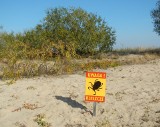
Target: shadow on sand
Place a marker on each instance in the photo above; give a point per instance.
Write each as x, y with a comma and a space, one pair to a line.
72, 103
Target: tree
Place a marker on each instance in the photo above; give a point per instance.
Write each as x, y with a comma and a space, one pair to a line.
156, 17
86, 31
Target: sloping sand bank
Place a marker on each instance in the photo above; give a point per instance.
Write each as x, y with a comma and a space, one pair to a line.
132, 100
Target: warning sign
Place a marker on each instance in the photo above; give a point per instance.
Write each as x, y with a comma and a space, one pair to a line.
95, 86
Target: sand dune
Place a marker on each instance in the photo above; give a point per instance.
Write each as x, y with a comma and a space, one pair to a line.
132, 100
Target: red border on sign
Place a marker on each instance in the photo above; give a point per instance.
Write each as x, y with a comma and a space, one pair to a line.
96, 75
94, 98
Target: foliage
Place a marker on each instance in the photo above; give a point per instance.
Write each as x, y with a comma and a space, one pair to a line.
79, 31
156, 17
23, 60
64, 34
87, 31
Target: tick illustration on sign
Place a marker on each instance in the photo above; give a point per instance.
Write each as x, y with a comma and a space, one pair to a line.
96, 86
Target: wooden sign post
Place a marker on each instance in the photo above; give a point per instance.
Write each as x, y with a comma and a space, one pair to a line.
95, 88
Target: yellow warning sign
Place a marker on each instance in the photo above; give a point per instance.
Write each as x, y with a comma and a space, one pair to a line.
95, 86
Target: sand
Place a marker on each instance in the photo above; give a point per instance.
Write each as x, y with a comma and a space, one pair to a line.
132, 99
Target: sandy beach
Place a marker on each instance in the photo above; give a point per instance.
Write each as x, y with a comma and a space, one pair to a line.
132, 100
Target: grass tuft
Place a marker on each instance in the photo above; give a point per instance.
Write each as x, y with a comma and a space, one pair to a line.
40, 120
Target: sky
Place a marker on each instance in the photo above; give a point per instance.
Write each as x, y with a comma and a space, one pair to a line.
131, 19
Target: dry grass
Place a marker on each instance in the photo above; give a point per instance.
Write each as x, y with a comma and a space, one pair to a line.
139, 51
13, 68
